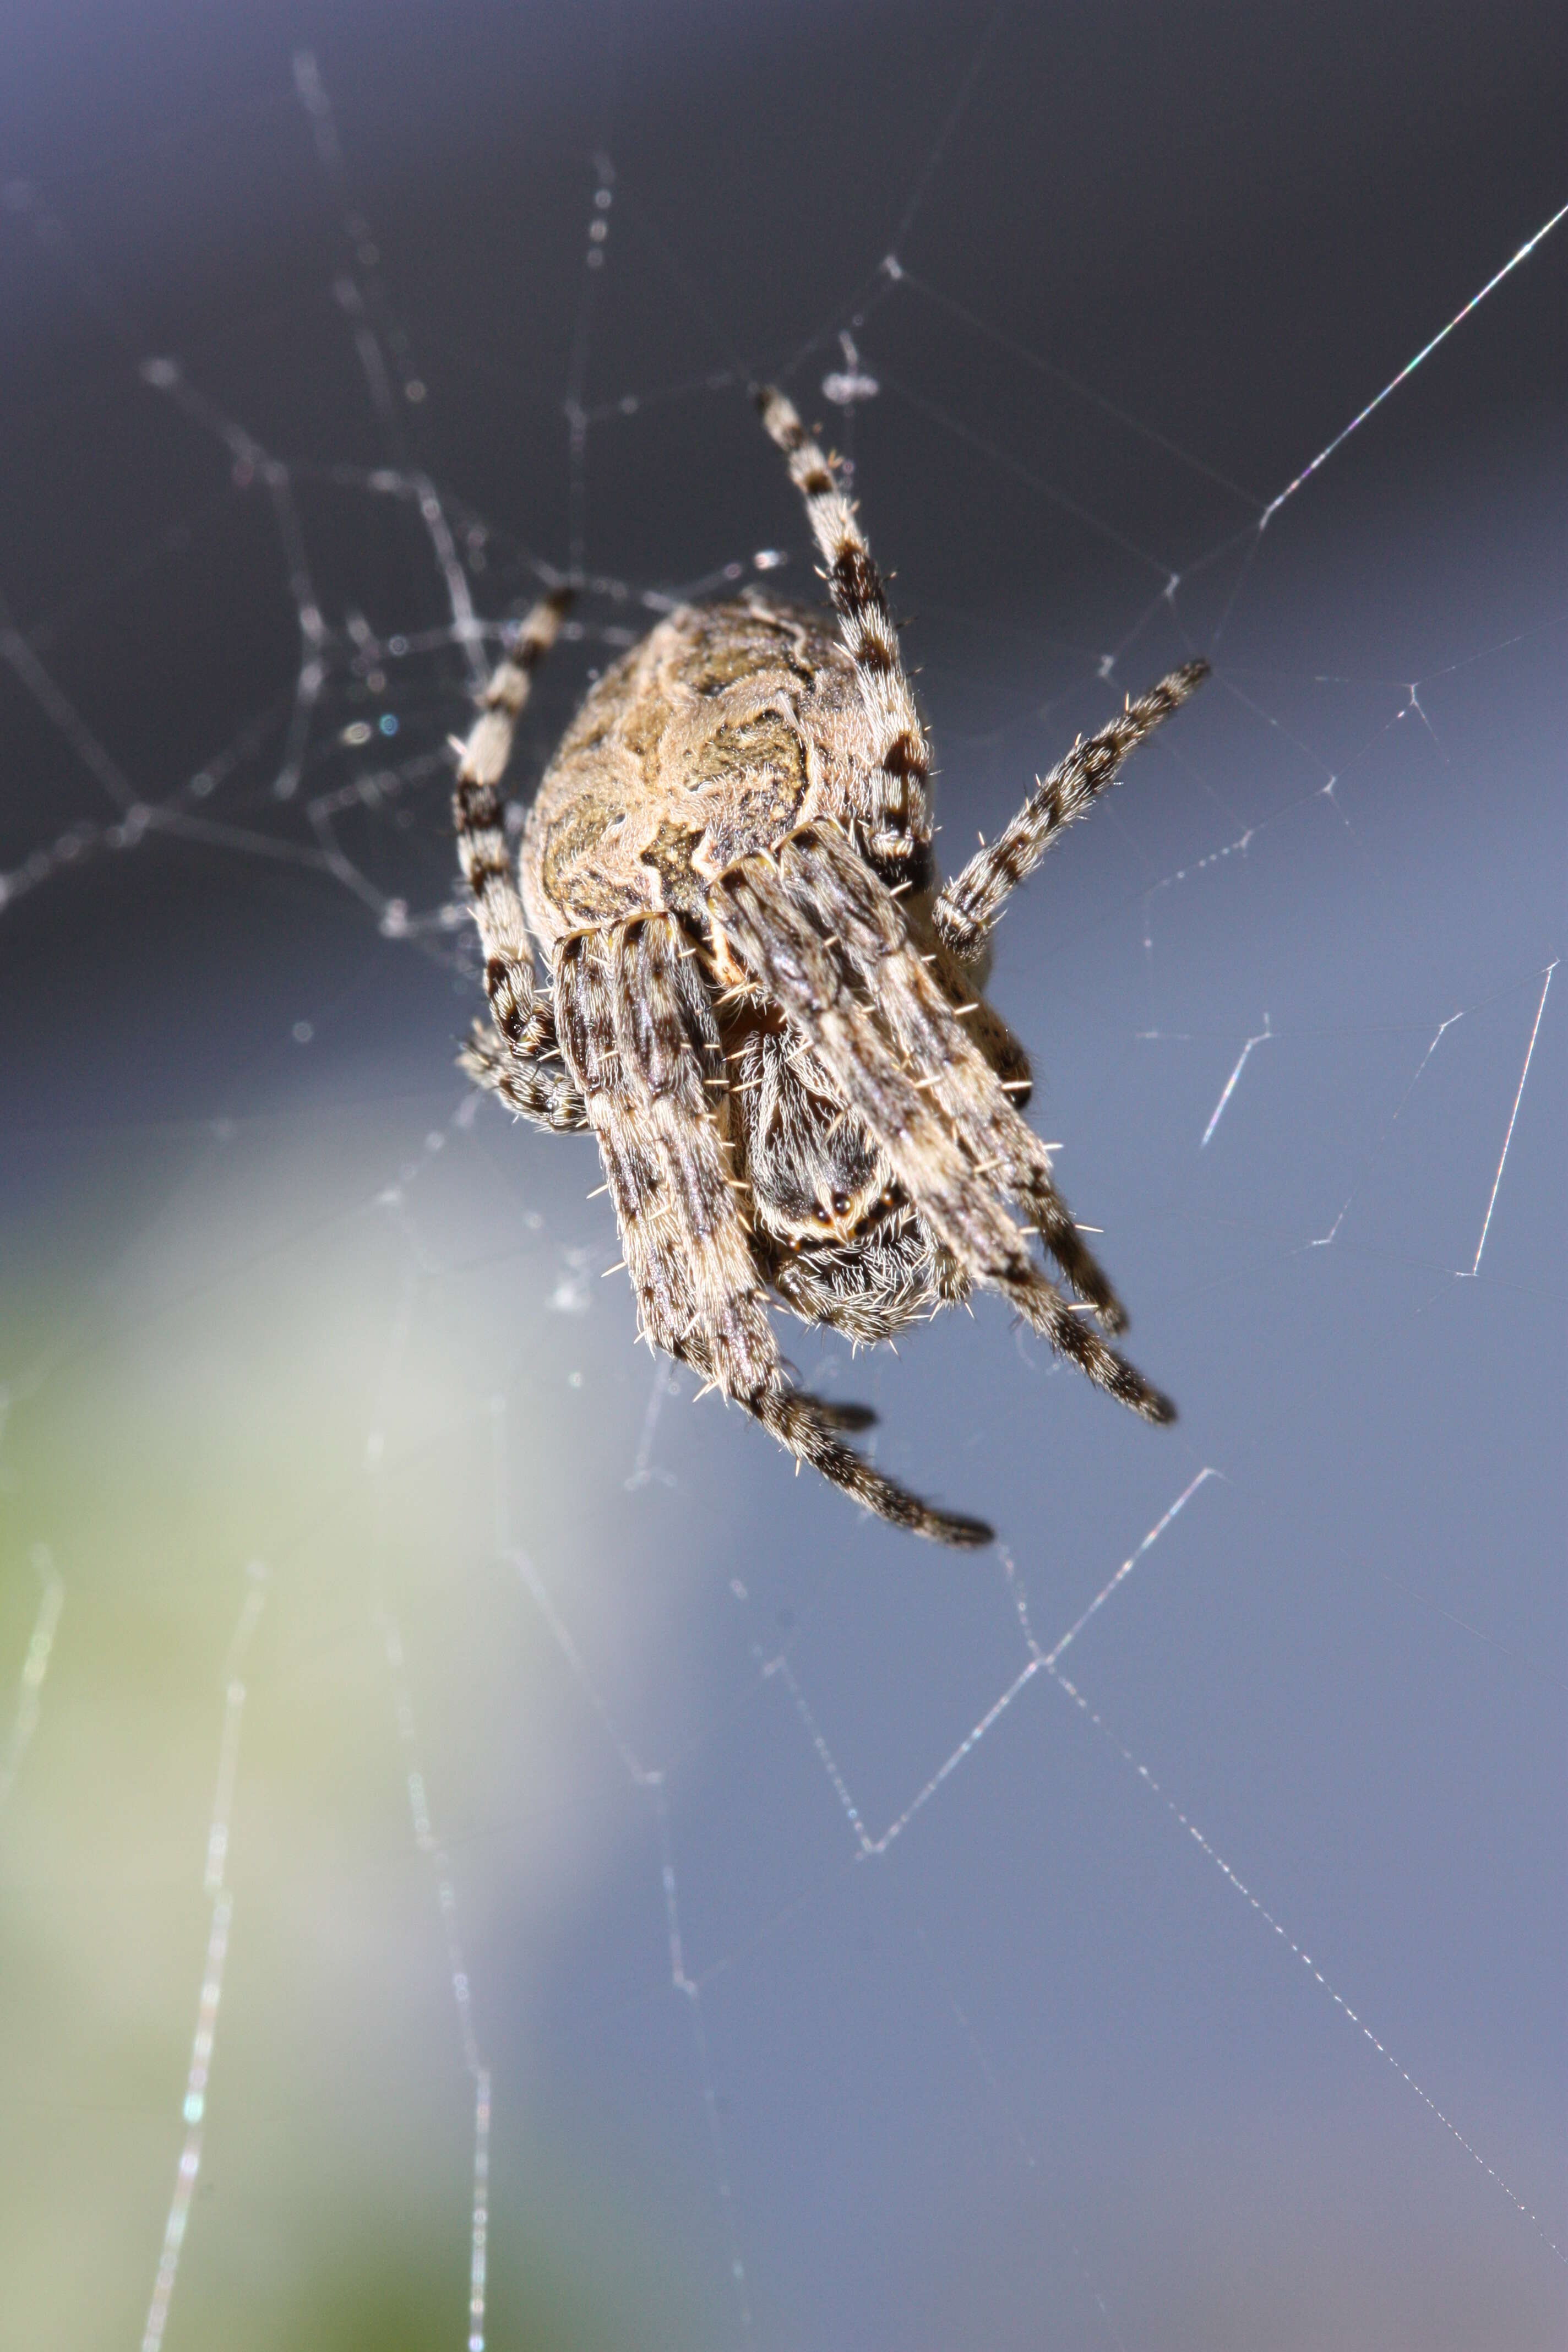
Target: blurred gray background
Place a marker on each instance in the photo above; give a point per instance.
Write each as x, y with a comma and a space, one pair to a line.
556, 1730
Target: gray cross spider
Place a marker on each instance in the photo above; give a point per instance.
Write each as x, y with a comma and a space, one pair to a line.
762, 1003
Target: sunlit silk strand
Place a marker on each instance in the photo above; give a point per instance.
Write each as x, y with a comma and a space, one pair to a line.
213, 1878
428, 1845
1525, 250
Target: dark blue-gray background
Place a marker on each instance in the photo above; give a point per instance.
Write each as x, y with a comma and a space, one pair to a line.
1039, 2073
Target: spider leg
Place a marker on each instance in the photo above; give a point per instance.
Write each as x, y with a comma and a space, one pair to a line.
960, 1077
900, 815
639, 1037
969, 905
521, 1018
827, 942
542, 1091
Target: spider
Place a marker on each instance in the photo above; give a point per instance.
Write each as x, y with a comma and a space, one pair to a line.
761, 1001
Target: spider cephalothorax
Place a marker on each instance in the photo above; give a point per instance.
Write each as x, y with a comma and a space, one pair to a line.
765, 1005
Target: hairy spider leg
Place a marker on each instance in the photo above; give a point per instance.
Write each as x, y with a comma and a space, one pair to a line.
931, 1038
524, 1027
542, 1090
640, 1036
969, 905
899, 817
825, 939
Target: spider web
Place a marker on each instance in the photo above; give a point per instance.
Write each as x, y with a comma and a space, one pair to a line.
487, 1856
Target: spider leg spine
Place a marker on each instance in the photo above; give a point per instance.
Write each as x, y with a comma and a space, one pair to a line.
778, 928
548, 1097
899, 815
968, 906
482, 853
626, 1006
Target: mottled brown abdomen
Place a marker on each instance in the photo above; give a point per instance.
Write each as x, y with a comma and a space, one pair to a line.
706, 743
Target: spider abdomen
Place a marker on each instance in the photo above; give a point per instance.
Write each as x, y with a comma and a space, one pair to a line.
727, 728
